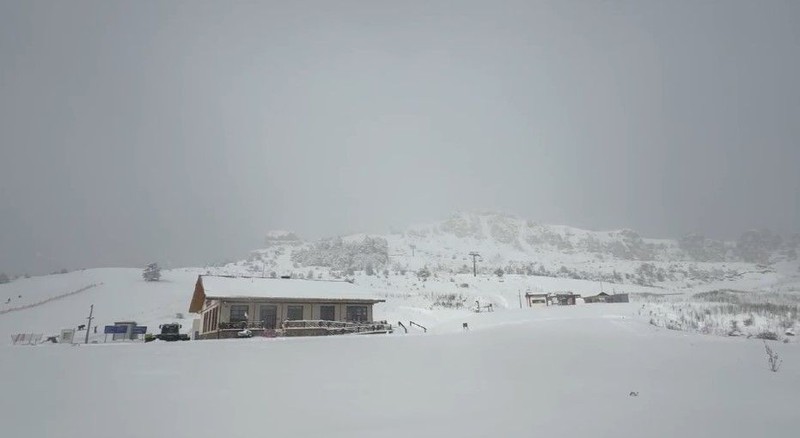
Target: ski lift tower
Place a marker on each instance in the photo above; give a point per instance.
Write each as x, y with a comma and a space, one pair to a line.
475, 256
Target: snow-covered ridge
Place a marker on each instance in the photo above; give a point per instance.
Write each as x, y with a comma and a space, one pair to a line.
519, 246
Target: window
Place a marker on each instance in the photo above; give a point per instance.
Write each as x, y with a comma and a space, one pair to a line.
357, 313
327, 313
294, 312
239, 312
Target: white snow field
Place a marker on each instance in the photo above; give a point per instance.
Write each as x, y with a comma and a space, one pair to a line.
558, 371
554, 371
53, 302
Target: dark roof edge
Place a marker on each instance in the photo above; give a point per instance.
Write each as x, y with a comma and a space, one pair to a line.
299, 300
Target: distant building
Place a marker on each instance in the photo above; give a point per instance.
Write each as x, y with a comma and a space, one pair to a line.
551, 299
599, 298
603, 297
565, 298
128, 333
280, 307
536, 300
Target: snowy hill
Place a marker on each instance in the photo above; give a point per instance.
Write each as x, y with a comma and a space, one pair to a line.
585, 370
424, 273
523, 247
49, 303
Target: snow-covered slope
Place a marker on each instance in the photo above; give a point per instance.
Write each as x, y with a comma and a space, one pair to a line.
576, 371
518, 246
49, 303
585, 370
424, 273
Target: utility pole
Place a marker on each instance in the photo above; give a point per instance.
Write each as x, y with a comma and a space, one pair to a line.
89, 325
475, 256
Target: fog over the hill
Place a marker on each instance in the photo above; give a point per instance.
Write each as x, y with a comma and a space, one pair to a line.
182, 131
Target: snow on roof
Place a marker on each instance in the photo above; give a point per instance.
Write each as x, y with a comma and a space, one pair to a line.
256, 287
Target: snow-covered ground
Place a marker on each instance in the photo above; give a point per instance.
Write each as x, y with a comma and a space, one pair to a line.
573, 371
50, 303
558, 371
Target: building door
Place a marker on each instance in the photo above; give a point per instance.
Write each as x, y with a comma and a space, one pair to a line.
327, 313
268, 314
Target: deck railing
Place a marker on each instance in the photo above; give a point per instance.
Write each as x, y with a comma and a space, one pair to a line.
305, 324
241, 325
338, 326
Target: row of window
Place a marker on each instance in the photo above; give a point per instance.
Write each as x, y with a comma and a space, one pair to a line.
268, 313
210, 320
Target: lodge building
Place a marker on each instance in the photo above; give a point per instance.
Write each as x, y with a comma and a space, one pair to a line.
267, 306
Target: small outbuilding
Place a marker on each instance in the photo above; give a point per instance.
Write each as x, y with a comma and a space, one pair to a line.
599, 298
128, 332
536, 299
565, 298
551, 299
603, 297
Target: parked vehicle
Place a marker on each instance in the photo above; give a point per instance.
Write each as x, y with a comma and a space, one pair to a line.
171, 332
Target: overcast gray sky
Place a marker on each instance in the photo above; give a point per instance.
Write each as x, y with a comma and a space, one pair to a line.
183, 131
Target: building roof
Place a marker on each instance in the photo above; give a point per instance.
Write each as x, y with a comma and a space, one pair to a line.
217, 287
566, 294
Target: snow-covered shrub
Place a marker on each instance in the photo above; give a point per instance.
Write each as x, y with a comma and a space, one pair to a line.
726, 313
339, 254
756, 246
449, 301
767, 335
702, 249
152, 272
773, 360
462, 226
423, 273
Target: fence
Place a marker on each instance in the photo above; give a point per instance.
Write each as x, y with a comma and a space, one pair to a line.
338, 327
26, 338
57, 297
